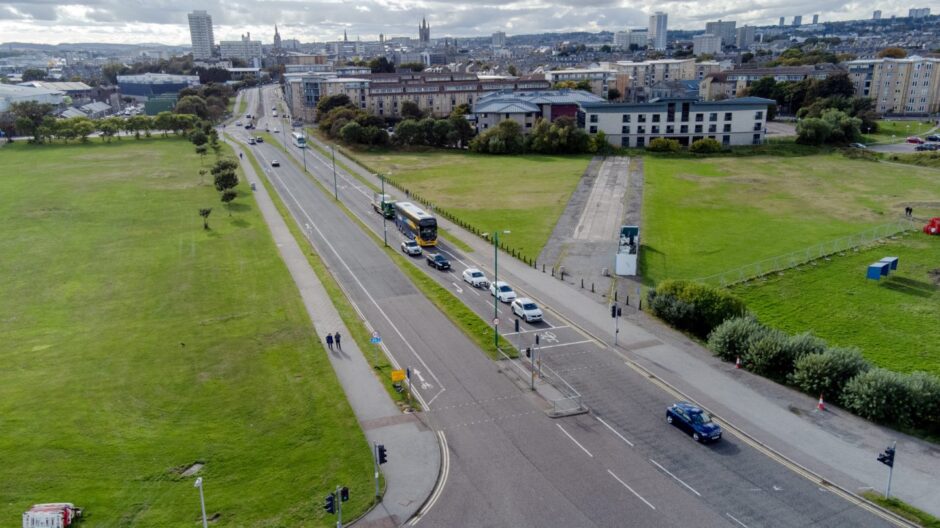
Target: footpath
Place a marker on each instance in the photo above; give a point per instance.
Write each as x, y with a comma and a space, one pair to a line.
835, 444
414, 456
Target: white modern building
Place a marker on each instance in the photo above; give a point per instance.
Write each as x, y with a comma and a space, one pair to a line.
200, 32
657, 31
631, 37
706, 44
731, 122
244, 49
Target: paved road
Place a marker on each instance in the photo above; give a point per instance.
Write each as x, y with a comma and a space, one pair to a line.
507, 463
785, 497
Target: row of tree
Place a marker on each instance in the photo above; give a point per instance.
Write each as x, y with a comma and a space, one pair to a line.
561, 136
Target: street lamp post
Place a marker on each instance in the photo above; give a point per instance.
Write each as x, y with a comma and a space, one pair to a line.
202, 502
333, 154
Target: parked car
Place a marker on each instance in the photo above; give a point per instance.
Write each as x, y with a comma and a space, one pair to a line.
502, 291
693, 421
933, 137
526, 309
275, 163
914, 139
475, 278
921, 148
858, 145
410, 247
436, 260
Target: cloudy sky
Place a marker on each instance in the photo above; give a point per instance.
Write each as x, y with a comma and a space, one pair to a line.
164, 21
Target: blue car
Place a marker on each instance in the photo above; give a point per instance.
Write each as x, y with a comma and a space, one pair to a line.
694, 421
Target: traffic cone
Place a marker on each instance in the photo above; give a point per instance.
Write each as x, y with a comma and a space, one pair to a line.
821, 405
737, 363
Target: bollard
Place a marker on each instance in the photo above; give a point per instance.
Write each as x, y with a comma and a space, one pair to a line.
639, 306
615, 295
582, 283
628, 300
592, 287
553, 271
543, 269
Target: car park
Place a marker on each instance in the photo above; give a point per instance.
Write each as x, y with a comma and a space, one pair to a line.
410, 247
526, 309
694, 421
475, 278
914, 139
502, 291
436, 260
275, 163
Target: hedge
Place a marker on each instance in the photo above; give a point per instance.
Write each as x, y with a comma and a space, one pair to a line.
827, 372
731, 339
694, 307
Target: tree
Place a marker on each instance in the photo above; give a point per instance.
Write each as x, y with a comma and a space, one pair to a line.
29, 116
891, 52
463, 130
747, 57
408, 132
199, 138
223, 173
763, 87
33, 74
227, 196
512, 70
565, 85
112, 70
705, 146
460, 110
327, 104
584, 84
663, 145
504, 138
351, 133
413, 66
164, 121
204, 213
606, 48
81, 127
381, 65
442, 133
813, 131
202, 150
411, 110
613, 94
194, 105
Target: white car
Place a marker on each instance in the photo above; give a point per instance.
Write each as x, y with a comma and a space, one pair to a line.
475, 278
276, 131
275, 163
410, 247
502, 291
527, 309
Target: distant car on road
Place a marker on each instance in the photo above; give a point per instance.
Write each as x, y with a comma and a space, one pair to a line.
914, 139
693, 421
933, 137
858, 145
475, 278
275, 163
502, 291
526, 309
436, 260
275, 131
238, 123
251, 141
259, 139
410, 247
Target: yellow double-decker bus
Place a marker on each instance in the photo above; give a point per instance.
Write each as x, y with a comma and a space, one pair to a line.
412, 220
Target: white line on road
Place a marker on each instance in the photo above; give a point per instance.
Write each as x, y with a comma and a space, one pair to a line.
567, 344
445, 470
679, 480
457, 286
631, 489
612, 430
735, 520
575, 441
534, 330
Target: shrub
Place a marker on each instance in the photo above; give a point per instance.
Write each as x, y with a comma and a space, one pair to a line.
676, 312
709, 306
731, 339
705, 146
924, 391
804, 344
770, 355
880, 395
828, 372
663, 145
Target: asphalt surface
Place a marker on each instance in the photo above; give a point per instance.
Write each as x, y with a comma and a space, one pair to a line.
508, 463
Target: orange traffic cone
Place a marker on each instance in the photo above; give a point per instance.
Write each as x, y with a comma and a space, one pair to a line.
737, 363
821, 405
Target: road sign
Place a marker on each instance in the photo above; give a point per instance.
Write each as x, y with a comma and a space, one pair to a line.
495, 321
375, 334
398, 375
376, 340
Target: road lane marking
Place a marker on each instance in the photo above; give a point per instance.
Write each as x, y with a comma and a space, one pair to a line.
575, 441
457, 286
631, 489
629, 443
439, 487
568, 344
679, 480
735, 520
534, 330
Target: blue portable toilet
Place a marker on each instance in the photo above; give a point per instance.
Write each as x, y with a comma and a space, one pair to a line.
892, 262
876, 270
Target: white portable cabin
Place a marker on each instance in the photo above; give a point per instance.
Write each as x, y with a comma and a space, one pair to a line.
628, 251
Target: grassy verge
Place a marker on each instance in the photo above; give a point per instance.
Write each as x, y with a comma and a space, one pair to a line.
903, 509
896, 131
347, 312
158, 344
921, 159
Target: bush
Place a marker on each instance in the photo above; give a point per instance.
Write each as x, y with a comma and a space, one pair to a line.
663, 145
770, 355
705, 146
924, 391
880, 395
707, 308
828, 372
732, 338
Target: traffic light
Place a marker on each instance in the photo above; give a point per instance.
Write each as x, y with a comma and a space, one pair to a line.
517, 326
528, 352
615, 311
382, 454
344, 494
536, 339
330, 505
887, 458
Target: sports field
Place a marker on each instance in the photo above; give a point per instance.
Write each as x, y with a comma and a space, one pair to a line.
136, 343
894, 321
707, 216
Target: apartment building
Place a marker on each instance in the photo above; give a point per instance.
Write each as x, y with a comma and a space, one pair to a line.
658, 30
526, 108
200, 34
244, 49
724, 29
635, 79
600, 79
735, 82
898, 86
706, 44
636, 38
740, 121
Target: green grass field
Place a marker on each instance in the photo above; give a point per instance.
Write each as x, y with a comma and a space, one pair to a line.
896, 131
706, 216
523, 194
136, 343
894, 321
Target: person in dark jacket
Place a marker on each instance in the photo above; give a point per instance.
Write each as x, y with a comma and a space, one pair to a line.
337, 338
329, 341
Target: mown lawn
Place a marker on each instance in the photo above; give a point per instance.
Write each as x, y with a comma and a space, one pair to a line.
135, 343
706, 216
894, 321
522, 194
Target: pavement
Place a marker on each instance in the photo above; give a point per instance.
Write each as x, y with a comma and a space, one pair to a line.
777, 421
414, 452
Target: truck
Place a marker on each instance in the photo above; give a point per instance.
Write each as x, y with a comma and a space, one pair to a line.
384, 205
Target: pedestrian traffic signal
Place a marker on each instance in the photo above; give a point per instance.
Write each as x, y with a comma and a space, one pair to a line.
528, 352
330, 505
615, 311
344, 494
382, 454
887, 458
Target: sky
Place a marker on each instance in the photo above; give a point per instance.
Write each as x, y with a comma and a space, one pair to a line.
165, 21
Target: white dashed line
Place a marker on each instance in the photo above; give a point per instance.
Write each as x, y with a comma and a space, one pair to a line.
624, 484
666, 471
575, 441
629, 443
735, 520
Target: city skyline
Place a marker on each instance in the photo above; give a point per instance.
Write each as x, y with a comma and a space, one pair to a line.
136, 22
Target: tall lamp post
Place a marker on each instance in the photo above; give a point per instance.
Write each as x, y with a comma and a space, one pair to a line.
202, 501
495, 280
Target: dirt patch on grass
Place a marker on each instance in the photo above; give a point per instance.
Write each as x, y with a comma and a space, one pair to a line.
934, 276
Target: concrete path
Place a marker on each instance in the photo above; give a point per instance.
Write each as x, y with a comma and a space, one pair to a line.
414, 453
836, 444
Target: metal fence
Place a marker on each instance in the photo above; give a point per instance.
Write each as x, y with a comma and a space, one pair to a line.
809, 254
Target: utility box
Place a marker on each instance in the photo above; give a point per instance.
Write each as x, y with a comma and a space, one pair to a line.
628, 251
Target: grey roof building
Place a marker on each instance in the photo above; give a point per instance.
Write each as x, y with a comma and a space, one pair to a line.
528, 107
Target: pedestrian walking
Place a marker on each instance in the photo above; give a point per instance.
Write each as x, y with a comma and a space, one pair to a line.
337, 338
329, 341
